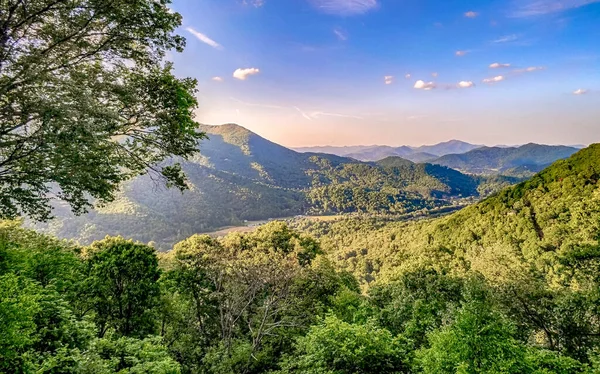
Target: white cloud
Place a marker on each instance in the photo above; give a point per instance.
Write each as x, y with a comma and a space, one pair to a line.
254, 3
435, 75
203, 38
242, 74
506, 39
407, 76
531, 8
471, 14
341, 35
461, 53
580, 91
529, 69
496, 79
497, 65
389, 79
344, 7
466, 84
422, 85
217, 79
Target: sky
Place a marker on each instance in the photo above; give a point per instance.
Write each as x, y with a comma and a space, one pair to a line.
396, 72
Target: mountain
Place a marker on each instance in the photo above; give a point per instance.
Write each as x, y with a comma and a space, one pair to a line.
525, 160
333, 150
377, 152
446, 148
380, 152
239, 176
421, 157
525, 227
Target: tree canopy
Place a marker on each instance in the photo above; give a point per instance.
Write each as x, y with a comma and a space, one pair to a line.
87, 101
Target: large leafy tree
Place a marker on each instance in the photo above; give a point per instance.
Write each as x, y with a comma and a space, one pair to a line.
86, 101
122, 285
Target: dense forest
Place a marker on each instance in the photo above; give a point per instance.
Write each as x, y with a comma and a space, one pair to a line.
509, 285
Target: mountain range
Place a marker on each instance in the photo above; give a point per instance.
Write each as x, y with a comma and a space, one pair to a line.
378, 152
523, 161
239, 176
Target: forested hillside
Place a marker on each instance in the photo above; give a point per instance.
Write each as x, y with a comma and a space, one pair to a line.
509, 285
522, 161
239, 176
532, 223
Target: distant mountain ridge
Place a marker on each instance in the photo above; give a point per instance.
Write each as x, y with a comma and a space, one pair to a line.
525, 160
378, 152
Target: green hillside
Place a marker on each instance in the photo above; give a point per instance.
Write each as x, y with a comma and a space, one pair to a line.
522, 161
532, 223
239, 176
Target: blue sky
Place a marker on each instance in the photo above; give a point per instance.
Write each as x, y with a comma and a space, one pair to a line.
347, 72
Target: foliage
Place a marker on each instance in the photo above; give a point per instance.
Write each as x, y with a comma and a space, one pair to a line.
509, 285
87, 103
122, 280
335, 346
479, 340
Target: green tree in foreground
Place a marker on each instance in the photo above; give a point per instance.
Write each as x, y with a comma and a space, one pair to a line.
123, 285
338, 347
479, 340
86, 101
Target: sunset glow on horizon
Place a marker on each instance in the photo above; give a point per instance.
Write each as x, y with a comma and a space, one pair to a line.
349, 72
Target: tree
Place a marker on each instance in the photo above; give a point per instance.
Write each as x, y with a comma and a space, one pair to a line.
123, 285
128, 355
86, 101
479, 340
335, 346
18, 305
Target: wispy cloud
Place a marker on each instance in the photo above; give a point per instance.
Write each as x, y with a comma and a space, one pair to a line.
316, 114
497, 65
344, 7
243, 74
506, 39
407, 76
217, 79
533, 8
341, 35
530, 69
580, 91
254, 3
461, 53
471, 14
203, 38
269, 106
435, 75
306, 116
422, 85
493, 80
327, 114
388, 79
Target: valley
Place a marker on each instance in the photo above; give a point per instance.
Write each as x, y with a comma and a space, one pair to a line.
239, 176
